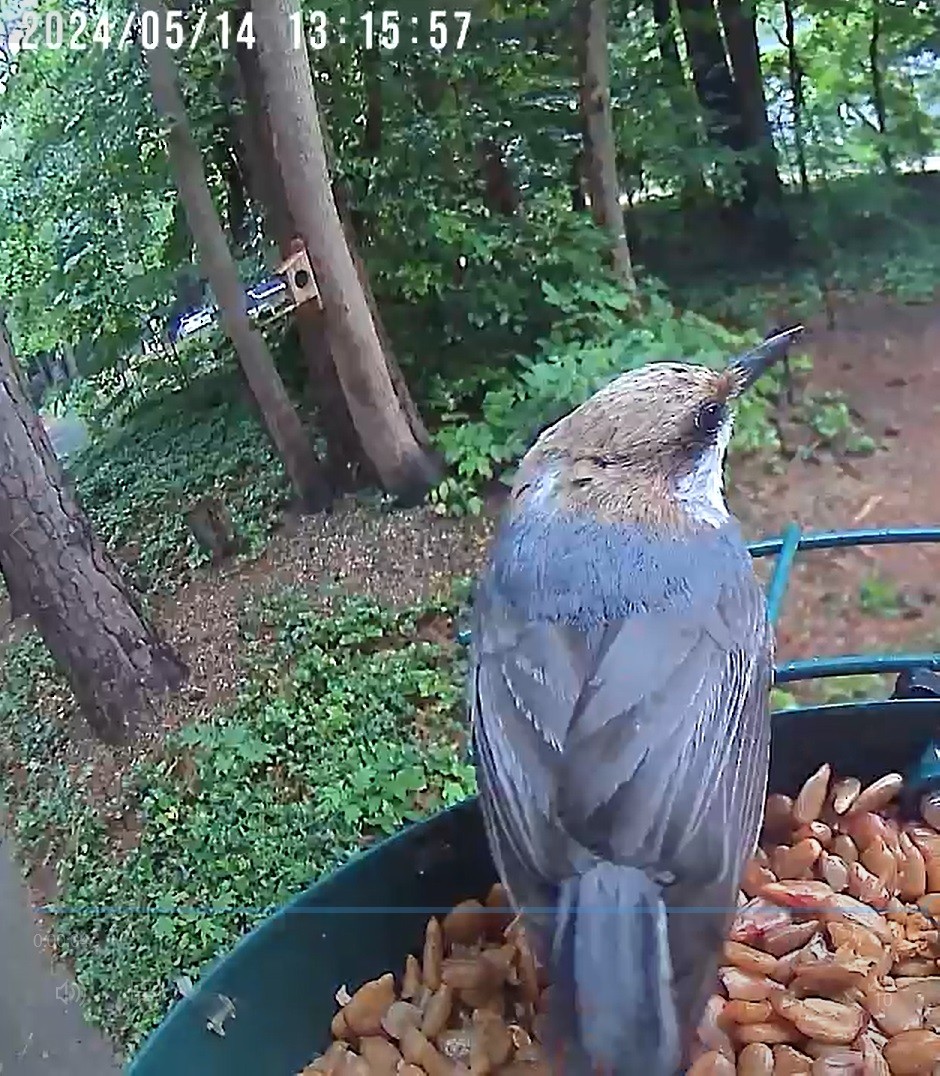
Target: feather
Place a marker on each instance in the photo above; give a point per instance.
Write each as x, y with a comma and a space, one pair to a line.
621, 716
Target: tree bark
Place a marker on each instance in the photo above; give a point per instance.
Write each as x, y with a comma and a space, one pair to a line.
402, 391
71, 367
404, 467
345, 459
116, 664
599, 146
500, 193
372, 80
741, 34
796, 74
711, 76
6, 348
694, 188
283, 423
877, 86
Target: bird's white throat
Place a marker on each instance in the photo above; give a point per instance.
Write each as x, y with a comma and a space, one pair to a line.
701, 490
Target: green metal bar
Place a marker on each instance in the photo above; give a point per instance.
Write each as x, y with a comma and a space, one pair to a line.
781, 577
842, 539
852, 665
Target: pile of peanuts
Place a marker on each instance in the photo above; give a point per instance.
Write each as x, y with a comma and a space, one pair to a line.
471, 1005
831, 967
831, 964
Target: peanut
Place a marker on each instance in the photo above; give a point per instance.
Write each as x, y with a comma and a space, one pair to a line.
364, 1011
712, 1064
912, 1052
756, 1059
834, 871
878, 794
433, 955
749, 959
844, 793
808, 804
772, 1032
465, 924
790, 1062
745, 986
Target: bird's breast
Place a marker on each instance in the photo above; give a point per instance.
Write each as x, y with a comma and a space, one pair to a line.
587, 572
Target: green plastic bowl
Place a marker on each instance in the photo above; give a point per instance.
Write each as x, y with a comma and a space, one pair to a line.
363, 920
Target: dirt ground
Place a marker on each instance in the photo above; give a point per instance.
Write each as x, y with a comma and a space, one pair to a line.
886, 359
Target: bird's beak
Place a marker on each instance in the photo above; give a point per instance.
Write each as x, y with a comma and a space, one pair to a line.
749, 366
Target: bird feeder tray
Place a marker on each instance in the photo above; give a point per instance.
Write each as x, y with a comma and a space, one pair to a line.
265, 1009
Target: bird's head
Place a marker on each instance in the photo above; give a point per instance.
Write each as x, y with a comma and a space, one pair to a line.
649, 445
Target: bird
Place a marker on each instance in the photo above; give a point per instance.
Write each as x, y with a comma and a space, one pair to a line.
618, 693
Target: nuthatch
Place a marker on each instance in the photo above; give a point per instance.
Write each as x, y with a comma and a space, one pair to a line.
619, 694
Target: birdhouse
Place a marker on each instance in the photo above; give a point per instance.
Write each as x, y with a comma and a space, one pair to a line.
298, 272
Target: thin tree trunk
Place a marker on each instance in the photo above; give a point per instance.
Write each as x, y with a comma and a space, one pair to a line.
372, 80
694, 188
717, 93
741, 34
711, 76
404, 467
796, 74
116, 664
877, 85
599, 147
71, 367
402, 391
282, 421
500, 193
345, 459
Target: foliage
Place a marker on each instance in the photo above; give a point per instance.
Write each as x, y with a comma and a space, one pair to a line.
878, 596
347, 727
137, 479
593, 339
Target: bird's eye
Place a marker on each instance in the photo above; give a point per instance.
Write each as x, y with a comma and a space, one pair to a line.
709, 418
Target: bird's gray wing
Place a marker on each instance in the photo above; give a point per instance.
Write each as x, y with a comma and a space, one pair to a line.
643, 741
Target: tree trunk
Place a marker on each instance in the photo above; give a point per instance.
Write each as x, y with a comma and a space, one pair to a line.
716, 91
345, 459
741, 34
711, 76
404, 467
694, 188
599, 147
796, 74
71, 366
6, 348
402, 391
282, 421
877, 86
115, 662
500, 194
237, 201
372, 80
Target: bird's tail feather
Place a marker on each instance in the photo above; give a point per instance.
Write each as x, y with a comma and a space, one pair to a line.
613, 1009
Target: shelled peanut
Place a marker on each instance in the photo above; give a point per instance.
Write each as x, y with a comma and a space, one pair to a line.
831, 966
470, 1006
